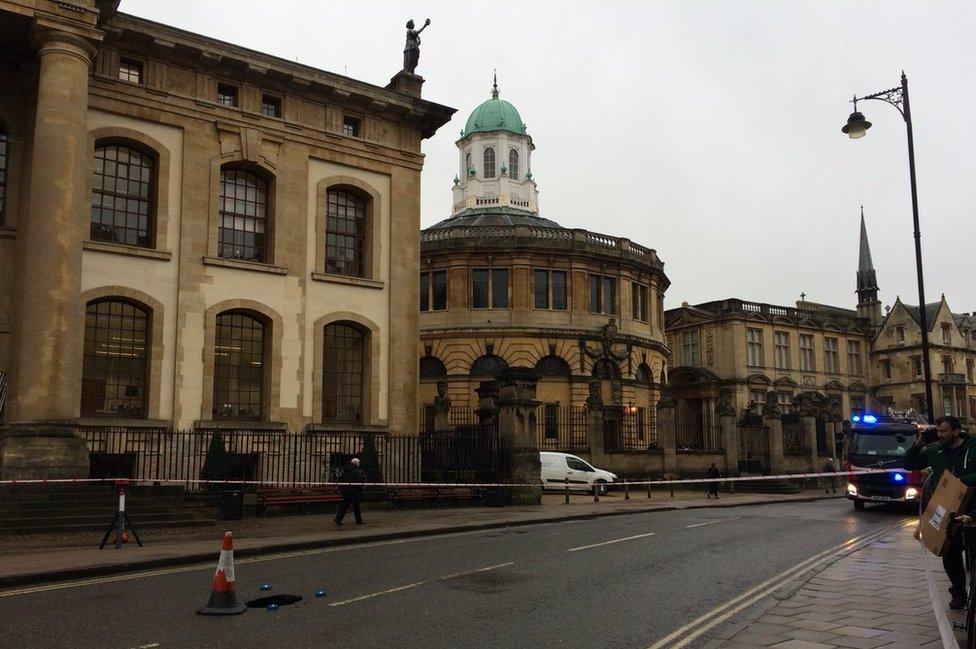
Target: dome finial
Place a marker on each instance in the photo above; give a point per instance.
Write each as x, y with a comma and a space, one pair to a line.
494, 86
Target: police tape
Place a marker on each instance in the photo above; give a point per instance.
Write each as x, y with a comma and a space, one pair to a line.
294, 484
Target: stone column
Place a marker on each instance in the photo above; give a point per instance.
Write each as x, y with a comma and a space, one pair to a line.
810, 431
666, 435
518, 448
730, 442
487, 409
594, 432
48, 325
774, 426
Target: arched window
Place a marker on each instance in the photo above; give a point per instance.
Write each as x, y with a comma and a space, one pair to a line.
345, 233
488, 365
432, 367
243, 216
513, 166
644, 374
552, 366
115, 359
3, 171
238, 366
489, 163
467, 163
343, 373
123, 195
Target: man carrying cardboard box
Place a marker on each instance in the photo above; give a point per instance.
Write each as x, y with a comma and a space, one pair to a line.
954, 452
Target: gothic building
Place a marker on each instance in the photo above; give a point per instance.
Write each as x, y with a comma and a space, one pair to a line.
502, 286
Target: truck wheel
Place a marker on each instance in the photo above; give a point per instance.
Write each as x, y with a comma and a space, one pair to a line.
858, 505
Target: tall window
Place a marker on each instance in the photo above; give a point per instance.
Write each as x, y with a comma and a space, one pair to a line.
227, 95
900, 334
489, 163
243, 216
754, 347
886, 369
947, 364
549, 288
513, 164
351, 126
969, 369
122, 195
467, 162
115, 359
489, 288
238, 367
691, 352
345, 234
758, 397
946, 332
433, 290
270, 106
343, 373
781, 350
807, 361
854, 357
603, 294
3, 171
857, 405
638, 301
830, 355
917, 367
130, 71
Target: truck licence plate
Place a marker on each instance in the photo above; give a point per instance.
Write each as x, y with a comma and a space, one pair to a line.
880, 497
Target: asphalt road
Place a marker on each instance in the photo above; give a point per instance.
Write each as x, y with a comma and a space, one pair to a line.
617, 582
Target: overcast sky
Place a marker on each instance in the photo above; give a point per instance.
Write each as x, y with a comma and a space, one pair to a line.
708, 130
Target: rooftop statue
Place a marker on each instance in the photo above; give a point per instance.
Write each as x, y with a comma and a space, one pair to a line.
411, 51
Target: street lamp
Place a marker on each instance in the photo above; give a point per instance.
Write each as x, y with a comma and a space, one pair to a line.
856, 127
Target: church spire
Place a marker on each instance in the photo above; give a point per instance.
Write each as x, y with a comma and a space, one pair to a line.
868, 305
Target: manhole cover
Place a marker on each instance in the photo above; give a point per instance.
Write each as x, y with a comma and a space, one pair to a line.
280, 600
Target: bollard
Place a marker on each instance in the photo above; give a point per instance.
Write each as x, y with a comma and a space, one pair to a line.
626, 489
567, 490
648, 487
596, 493
671, 484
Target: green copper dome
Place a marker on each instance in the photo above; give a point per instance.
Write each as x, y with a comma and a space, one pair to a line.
494, 115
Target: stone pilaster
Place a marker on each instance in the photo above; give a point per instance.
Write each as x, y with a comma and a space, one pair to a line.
810, 432
774, 426
518, 446
730, 442
667, 435
48, 325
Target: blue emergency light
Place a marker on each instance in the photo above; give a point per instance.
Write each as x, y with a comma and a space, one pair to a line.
899, 477
870, 419
856, 418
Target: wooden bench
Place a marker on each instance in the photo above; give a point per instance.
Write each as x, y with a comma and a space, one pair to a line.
304, 497
436, 495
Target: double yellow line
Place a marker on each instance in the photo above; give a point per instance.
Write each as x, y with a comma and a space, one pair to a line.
684, 635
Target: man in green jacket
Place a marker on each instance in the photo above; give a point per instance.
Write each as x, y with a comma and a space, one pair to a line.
954, 452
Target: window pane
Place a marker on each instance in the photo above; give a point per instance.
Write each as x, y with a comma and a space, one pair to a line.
609, 295
345, 226
115, 357
3, 172
513, 164
541, 288
479, 289
499, 288
238, 367
343, 373
243, 201
594, 293
122, 195
440, 290
489, 158
559, 289
424, 291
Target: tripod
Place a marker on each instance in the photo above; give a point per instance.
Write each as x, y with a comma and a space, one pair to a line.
120, 520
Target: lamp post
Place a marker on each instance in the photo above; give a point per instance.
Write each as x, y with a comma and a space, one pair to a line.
855, 129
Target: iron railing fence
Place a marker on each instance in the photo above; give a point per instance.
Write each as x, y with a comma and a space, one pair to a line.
697, 437
754, 449
629, 429
561, 428
286, 458
795, 440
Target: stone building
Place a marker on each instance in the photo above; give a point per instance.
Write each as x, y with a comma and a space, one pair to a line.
195, 234
502, 286
833, 361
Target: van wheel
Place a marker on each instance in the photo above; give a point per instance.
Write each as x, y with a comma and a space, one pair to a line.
858, 505
602, 488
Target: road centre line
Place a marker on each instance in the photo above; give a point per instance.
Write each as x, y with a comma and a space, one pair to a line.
724, 611
724, 520
596, 545
421, 583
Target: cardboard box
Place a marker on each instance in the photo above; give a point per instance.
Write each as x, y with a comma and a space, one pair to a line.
949, 500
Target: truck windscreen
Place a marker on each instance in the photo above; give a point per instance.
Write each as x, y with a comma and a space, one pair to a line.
881, 442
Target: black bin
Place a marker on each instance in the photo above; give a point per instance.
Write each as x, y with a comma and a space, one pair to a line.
231, 505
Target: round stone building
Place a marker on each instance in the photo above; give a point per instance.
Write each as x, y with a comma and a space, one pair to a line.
501, 286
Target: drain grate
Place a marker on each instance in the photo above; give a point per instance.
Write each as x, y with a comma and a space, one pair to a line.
277, 600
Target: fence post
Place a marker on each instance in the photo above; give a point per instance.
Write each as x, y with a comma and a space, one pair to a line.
626, 489
596, 493
671, 484
648, 487
567, 489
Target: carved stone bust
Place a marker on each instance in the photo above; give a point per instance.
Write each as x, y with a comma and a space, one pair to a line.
442, 402
724, 407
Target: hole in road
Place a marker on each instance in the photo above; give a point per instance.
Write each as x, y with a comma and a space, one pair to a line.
280, 600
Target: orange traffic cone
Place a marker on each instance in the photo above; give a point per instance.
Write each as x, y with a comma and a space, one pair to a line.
223, 599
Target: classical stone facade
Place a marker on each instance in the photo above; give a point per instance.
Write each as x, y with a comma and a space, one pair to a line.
196, 234
501, 286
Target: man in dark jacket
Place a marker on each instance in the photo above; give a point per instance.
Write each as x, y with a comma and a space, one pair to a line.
713, 486
954, 452
353, 477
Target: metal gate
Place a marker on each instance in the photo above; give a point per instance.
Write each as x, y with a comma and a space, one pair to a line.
465, 454
612, 428
754, 450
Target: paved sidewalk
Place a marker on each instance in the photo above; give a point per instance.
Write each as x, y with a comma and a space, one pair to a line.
876, 596
46, 557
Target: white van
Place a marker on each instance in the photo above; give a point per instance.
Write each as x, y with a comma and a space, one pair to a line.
557, 467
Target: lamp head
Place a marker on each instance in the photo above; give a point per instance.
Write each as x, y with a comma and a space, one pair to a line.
856, 126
